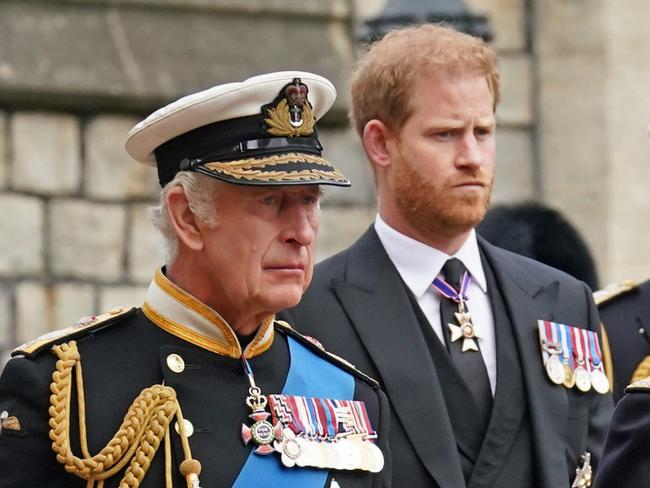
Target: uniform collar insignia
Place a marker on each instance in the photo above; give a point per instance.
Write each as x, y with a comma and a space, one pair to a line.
179, 313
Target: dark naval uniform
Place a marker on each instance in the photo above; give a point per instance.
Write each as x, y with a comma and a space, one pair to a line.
176, 341
626, 460
625, 312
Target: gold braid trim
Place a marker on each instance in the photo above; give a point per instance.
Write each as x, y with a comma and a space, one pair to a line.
146, 423
251, 168
642, 371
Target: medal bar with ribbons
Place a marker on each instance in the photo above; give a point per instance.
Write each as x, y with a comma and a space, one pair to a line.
572, 357
324, 433
464, 329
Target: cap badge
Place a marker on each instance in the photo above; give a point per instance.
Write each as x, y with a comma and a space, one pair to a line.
291, 114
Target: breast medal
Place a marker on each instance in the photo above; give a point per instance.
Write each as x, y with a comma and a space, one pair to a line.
597, 375
583, 381
551, 351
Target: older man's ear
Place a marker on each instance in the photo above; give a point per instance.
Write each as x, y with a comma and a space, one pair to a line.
185, 224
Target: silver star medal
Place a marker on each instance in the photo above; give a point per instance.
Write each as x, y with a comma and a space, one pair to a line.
465, 329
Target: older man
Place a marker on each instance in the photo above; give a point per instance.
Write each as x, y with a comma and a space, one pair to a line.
490, 360
201, 382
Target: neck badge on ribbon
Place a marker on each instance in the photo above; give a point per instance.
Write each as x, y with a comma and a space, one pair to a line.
464, 329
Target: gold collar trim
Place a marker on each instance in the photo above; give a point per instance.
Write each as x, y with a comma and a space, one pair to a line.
179, 313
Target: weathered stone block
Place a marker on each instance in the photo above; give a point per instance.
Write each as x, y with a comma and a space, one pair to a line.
340, 227
6, 321
196, 46
514, 178
343, 148
34, 311
508, 20
4, 162
46, 153
574, 154
145, 253
569, 27
517, 96
110, 172
87, 240
121, 296
71, 302
21, 228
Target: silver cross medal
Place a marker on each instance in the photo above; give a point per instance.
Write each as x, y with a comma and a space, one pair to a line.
464, 329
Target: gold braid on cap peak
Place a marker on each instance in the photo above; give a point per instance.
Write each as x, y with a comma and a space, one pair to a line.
136, 442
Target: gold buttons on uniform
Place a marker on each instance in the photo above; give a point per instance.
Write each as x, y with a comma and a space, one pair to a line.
189, 428
175, 363
117, 310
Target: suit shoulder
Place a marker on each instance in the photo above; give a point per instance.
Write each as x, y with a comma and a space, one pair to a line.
317, 348
83, 327
611, 293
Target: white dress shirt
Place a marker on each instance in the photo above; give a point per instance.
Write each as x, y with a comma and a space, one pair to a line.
418, 264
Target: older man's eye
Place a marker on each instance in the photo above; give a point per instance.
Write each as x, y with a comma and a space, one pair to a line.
270, 200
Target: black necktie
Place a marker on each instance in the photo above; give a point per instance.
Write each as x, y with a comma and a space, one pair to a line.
470, 363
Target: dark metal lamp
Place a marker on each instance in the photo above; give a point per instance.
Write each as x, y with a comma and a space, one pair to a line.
400, 13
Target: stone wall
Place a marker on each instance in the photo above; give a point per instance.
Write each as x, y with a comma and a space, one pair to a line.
76, 75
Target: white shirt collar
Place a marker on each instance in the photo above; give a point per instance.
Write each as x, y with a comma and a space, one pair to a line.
418, 263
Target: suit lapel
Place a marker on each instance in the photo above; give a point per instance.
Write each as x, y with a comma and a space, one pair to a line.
529, 300
378, 306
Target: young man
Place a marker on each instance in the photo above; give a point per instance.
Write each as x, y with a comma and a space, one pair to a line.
461, 335
202, 368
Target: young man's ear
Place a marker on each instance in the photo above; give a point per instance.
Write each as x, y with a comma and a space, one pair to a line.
184, 223
378, 141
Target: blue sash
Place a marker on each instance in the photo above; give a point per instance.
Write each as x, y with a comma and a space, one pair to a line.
309, 376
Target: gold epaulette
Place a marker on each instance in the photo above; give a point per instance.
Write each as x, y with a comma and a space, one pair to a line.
614, 290
82, 327
641, 385
315, 345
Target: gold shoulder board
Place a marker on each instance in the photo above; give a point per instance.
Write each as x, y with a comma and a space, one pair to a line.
641, 385
315, 345
83, 326
614, 290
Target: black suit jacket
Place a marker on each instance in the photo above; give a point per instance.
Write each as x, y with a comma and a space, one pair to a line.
358, 307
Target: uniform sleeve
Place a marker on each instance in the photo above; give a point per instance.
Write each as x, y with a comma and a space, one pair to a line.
26, 456
600, 411
626, 460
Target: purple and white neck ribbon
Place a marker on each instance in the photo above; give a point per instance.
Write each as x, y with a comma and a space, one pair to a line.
448, 291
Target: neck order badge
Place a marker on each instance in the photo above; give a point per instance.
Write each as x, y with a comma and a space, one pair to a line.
464, 329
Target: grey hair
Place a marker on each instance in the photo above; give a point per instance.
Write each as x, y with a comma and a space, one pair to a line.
201, 192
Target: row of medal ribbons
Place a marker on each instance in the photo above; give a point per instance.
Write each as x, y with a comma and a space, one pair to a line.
572, 357
325, 433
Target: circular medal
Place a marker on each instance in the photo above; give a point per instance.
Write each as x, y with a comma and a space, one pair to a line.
376, 457
582, 379
569, 378
599, 381
262, 432
555, 369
